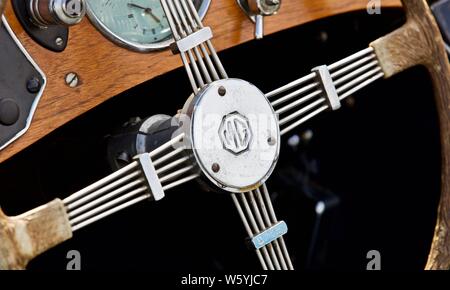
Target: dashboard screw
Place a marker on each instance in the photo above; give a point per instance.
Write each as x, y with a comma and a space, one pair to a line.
33, 85
72, 80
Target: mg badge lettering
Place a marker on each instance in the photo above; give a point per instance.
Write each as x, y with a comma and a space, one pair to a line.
235, 133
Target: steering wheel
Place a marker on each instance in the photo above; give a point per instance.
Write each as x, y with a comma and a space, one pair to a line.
228, 135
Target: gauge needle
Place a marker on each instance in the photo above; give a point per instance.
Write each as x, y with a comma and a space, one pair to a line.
146, 10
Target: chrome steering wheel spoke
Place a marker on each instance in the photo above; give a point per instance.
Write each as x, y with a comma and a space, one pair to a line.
308, 96
222, 112
192, 41
245, 147
146, 178
209, 83
264, 230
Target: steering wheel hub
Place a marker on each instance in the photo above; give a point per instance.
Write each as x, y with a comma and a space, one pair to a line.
234, 134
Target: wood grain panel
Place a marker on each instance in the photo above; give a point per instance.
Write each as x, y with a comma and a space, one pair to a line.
106, 70
2, 6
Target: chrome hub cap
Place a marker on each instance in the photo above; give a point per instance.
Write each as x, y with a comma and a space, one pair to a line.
234, 134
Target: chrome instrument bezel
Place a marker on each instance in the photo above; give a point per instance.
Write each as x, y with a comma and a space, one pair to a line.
132, 45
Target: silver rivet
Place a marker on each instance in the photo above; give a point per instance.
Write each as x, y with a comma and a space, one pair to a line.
272, 141
72, 80
222, 91
215, 167
59, 41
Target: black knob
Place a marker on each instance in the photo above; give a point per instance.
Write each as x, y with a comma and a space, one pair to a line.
9, 112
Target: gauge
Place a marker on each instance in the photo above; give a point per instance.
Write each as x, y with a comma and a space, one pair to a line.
139, 25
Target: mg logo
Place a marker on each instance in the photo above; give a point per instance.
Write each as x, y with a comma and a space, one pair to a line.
235, 133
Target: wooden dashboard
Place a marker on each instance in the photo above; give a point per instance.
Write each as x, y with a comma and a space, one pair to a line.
106, 69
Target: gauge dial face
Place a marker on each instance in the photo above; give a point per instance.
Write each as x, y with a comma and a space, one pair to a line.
136, 24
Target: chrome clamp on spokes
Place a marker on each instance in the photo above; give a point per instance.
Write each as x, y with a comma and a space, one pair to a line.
327, 85
269, 235
151, 177
324, 88
133, 183
147, 177
192, 41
